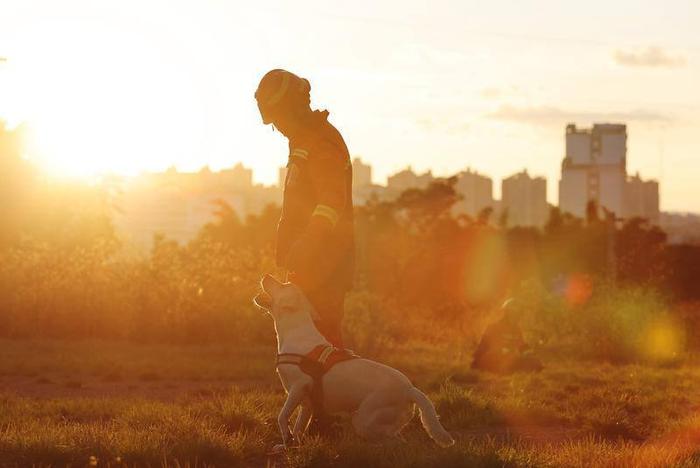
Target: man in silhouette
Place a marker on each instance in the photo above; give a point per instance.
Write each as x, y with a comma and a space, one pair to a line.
502, 349
315, 230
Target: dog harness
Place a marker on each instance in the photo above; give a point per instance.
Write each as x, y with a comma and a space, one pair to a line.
315, 364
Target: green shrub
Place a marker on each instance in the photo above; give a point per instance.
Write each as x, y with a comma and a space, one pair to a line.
628, 324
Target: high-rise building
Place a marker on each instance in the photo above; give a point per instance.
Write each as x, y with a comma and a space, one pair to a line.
237, 177
476, 192
361, 173
177, 204
281, 176
594, 168
524, 200
363, 189
407, 179
642, 199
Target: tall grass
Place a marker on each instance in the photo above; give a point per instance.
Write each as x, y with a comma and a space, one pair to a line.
571, 414
202, 292
195, 293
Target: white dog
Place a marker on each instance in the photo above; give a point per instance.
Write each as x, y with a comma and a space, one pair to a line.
381, 398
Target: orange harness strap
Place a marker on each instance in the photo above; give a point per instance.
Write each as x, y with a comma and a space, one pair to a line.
316, 363
328, 356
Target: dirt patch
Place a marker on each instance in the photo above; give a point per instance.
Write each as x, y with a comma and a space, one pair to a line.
62, 386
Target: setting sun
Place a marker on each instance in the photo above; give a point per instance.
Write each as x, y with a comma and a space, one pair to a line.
109, 94
114, 103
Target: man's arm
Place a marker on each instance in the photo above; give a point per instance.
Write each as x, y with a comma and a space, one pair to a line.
327, 168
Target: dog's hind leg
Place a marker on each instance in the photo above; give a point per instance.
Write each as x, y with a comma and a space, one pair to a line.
378, 418
363, 418
430, 419
404, 415
389, 421
382, 425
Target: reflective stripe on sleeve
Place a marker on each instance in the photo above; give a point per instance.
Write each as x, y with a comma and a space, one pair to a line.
300, 153
328, 212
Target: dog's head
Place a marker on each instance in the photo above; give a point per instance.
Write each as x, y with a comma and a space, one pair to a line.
279, 299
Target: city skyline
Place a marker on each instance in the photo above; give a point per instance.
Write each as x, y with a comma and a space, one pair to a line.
602, 145
442, 87
594, 168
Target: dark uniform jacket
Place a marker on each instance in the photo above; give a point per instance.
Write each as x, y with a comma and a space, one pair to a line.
315, 230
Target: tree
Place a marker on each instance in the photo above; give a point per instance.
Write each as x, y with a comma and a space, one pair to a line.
16, 184
592, 212
639, 248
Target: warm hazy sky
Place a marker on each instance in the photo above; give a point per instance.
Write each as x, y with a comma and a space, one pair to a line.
130, 85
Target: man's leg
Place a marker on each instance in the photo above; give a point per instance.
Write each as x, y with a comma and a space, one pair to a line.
329, 301
329, 305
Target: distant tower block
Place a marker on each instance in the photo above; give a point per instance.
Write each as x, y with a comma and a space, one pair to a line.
524, 199
594, 168
407, 179
361, 173
642, 199
476, 192
281, 176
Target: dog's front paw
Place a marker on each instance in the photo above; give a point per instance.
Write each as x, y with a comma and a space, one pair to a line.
290, 442
277, 449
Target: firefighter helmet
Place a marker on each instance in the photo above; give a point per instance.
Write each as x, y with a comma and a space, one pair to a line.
280, 90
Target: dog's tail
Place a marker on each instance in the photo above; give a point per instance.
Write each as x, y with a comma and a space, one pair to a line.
430, 419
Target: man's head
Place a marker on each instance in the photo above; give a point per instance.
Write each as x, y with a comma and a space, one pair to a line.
512, 311
283, 99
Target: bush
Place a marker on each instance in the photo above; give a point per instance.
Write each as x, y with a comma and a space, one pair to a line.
628, 324
423, 274
192, 293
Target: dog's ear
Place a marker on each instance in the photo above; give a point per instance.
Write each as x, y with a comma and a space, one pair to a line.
263, 300
270, 285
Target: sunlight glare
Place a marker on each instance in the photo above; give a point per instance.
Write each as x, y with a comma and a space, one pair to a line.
663, 341
115, 104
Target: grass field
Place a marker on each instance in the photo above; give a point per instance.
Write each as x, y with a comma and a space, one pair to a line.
62, 403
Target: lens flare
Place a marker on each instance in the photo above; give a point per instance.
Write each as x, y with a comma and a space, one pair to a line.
486, 267
578, 290
662, 341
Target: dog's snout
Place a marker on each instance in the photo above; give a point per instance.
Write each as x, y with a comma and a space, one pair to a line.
269, 284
